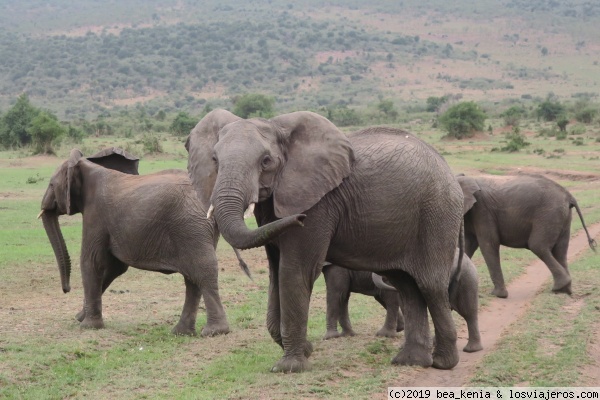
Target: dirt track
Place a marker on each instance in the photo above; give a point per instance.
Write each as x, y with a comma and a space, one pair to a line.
496, 318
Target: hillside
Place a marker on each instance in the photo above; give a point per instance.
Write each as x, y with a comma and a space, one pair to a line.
80, 59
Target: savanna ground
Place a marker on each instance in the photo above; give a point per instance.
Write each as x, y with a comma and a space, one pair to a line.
44, 353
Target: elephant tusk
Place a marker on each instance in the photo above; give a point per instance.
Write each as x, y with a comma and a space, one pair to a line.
210, 211
250, 211
40, 214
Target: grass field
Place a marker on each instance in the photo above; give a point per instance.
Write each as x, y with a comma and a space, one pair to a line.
44, 354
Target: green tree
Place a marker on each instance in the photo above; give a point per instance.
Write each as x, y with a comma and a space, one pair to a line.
45, 131
463, 119
513, 115
550, 110
387, 108
434, 103
586, 114
254, 105
16, 123
182, 124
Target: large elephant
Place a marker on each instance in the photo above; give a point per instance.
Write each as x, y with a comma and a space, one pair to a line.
340, 282
464, 300
152, 222
380, 199
519, 211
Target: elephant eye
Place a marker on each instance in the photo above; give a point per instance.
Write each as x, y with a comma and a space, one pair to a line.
266, 161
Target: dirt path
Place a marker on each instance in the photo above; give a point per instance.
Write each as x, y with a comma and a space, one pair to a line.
496, 318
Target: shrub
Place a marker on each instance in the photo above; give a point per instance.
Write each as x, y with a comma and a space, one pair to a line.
463, 120
550, 110
182, 124
513, 115
253, 105
515, 141
151, 144
586, 115
45, 131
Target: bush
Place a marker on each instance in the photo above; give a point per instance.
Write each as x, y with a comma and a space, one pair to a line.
550, 110
16, 123
463, 120
434, 103
515, 141
343, 116
586, 115
254, 105
513, 115
151, 144
45, 131
182, 124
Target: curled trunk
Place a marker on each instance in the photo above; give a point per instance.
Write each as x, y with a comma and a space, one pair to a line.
229, 214
50, 220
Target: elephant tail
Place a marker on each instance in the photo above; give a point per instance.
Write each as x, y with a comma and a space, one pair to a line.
591, 241
243, 264
461, 251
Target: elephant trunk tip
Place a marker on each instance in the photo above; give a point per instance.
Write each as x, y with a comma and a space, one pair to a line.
66, 289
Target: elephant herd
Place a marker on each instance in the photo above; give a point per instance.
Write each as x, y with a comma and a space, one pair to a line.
378, 211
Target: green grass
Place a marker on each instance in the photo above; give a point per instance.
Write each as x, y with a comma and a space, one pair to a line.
44, 354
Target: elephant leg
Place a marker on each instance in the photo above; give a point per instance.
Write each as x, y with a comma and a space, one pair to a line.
416, 349
216, 319
561, 248
490, 249
187, 321
296, 277
471, 244
562, 279
391, 304
337, 283
117, 269
92, 273
466, 304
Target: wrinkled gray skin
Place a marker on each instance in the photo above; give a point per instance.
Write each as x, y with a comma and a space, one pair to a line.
521, 211
152, 222
340, 282
300, 169
464, 300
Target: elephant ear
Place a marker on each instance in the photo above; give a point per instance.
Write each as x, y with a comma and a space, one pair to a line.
199, 144
319, 156
469, 187
117, 159
74, 158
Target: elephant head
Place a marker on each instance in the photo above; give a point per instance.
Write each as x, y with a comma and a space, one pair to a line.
63, 196
295, 159
469, 187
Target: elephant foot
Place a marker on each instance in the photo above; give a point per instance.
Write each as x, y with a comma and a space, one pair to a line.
92, 323
292, 364
565, 288
308, 349
500, 292
445, 358
331, 335
184, 330
386, 332
413, 355
80, 316
473, 346
214, 330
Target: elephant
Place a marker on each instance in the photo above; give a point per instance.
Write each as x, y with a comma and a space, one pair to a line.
340, 282
524, 211
465, 299
319, 196
153, 222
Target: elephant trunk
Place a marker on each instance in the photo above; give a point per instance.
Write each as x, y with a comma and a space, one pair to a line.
50, 221
229, 214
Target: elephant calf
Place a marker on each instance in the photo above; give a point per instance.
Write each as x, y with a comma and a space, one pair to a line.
340, 282
464, 299
521, 211
153, 222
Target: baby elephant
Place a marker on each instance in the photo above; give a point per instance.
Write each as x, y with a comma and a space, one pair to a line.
153, 222
463, 298
340, 282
